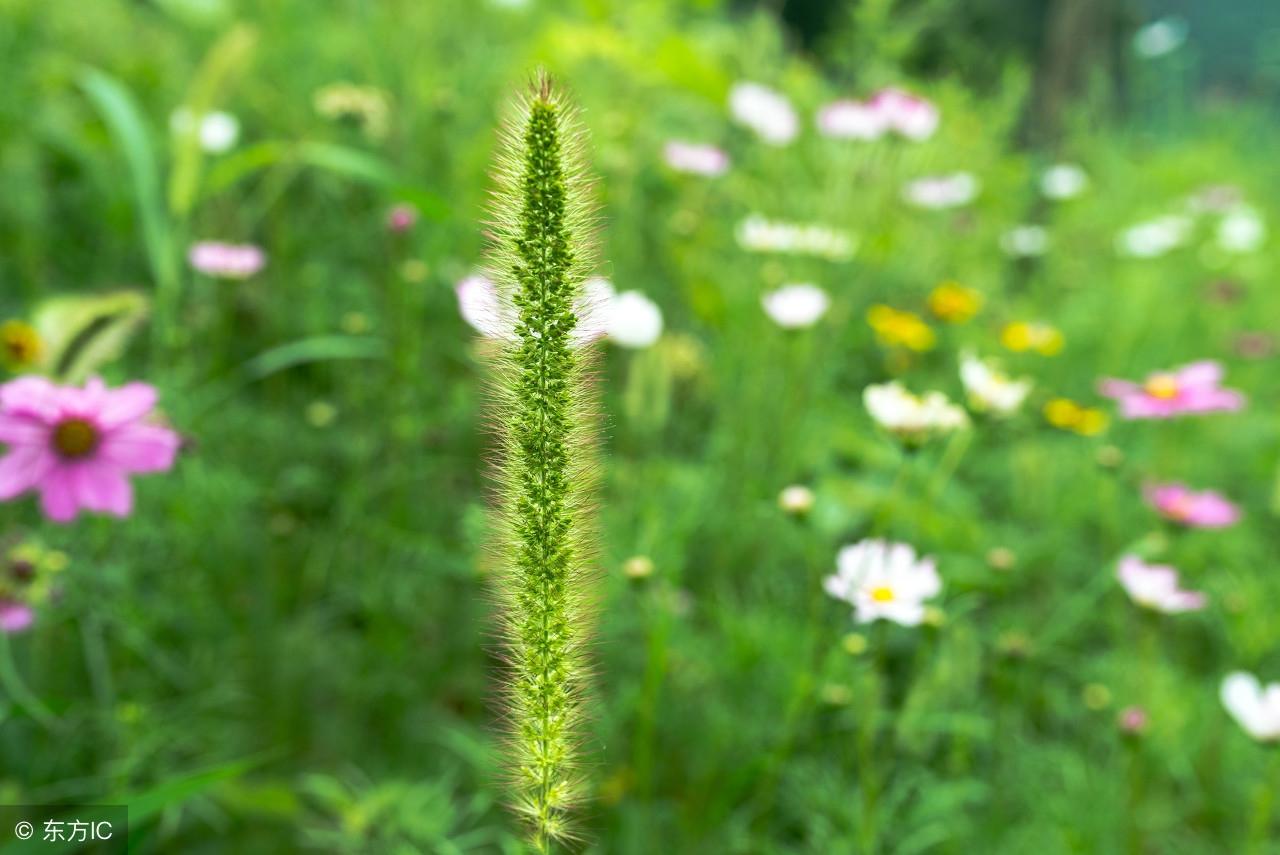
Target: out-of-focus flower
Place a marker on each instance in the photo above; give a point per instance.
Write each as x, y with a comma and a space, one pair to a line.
1133, 721
796, 500
1193, 388
1241, 230
910, 115
1042, 338
759, 234
1225, 291
1255, 345
989, 389
1001, 558
854, 643
27, 581
884, 580
1066, 414
942, 191
77, 446
1196, 509
897, 328
852, 120
764, 111
1155, 586
366, 106
20, 345
1096, 696
914, 418
402, 217
1255, 708
1154, 238
695, 158
634, 321
1215, 199
638, 567
216, 131
1160, 37
954, 303
1025, 241
226, 260
1109, 456
796, 306
1063, 181
489, 314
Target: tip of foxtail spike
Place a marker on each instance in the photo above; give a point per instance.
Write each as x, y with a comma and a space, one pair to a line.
543, 84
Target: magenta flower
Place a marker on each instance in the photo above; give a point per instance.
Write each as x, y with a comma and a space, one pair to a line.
15, 617
1204, 509
77, 446
226, 260
1193, 388
402, 217
1155, 586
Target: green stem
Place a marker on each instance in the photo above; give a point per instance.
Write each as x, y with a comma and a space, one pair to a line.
18, 691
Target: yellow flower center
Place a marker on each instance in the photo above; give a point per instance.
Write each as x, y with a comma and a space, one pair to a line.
19, 344
1163, 386
75, 438
882, 594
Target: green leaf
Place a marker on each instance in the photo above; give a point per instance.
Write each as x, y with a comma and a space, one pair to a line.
84, 332
318, 349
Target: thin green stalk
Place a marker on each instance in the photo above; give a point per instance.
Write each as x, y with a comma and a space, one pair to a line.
539, 261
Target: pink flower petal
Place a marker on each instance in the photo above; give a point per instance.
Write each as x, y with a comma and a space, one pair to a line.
23, 430
103, 488
33, 397
1112, 388
15, 617
140, 447
1206, 373
58, 494
23, 468
129, 403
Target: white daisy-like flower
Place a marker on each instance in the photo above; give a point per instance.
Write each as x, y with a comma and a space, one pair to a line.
990, 390
912, 417
216, 131
696, 159
942, 191
1063, 181
796, 499
489, 314
634, 321
1025, 241
759, 234
1154, 238
1241, 230
1256, 708
884, 581
796, 306
764, 111
852, 120
1155, 586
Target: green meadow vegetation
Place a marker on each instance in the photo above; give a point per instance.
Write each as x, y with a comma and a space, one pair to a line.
283, 637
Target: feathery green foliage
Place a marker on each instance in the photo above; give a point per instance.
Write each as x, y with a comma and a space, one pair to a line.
539, 259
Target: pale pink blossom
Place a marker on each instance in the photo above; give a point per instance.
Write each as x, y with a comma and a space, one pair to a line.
15, 617
696, 159
910, 115
1196, 509
852, 120
402, 217
227, 260
77, 446
1134, 720
764, 111
1155, 586
1193, 388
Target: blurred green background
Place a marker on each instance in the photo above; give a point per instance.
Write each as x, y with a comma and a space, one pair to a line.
288, 647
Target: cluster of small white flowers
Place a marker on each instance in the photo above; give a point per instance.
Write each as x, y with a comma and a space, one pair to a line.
990, 390
1025, 241
942, 191
758, 234
913, 417
1153, 238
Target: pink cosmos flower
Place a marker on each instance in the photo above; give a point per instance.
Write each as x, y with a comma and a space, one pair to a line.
402, 217
706, 160
852, 120
1205, 509
15, 617
1193, 388
77, 446
1133, 720
226, 260
1155, 586
910, 115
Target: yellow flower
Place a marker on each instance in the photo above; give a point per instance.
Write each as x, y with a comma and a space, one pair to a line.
1068, 415
1021, 336
899, 328
20, 345
954, 303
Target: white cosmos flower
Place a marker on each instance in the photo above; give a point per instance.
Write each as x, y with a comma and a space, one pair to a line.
1025, 241
764, 111
706, 160
942, 191
990, 390
217, 131
910, 115
1155, 586
634, 321
1241, 230
1063, 181
912, 417
1255, 708
759, 234
483, 308
1154, 238
796, 306
884, 580
852, 120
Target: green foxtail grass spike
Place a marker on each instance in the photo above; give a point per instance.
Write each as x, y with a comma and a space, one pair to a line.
541, 238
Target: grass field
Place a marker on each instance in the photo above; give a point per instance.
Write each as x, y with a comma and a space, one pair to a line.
287, 644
